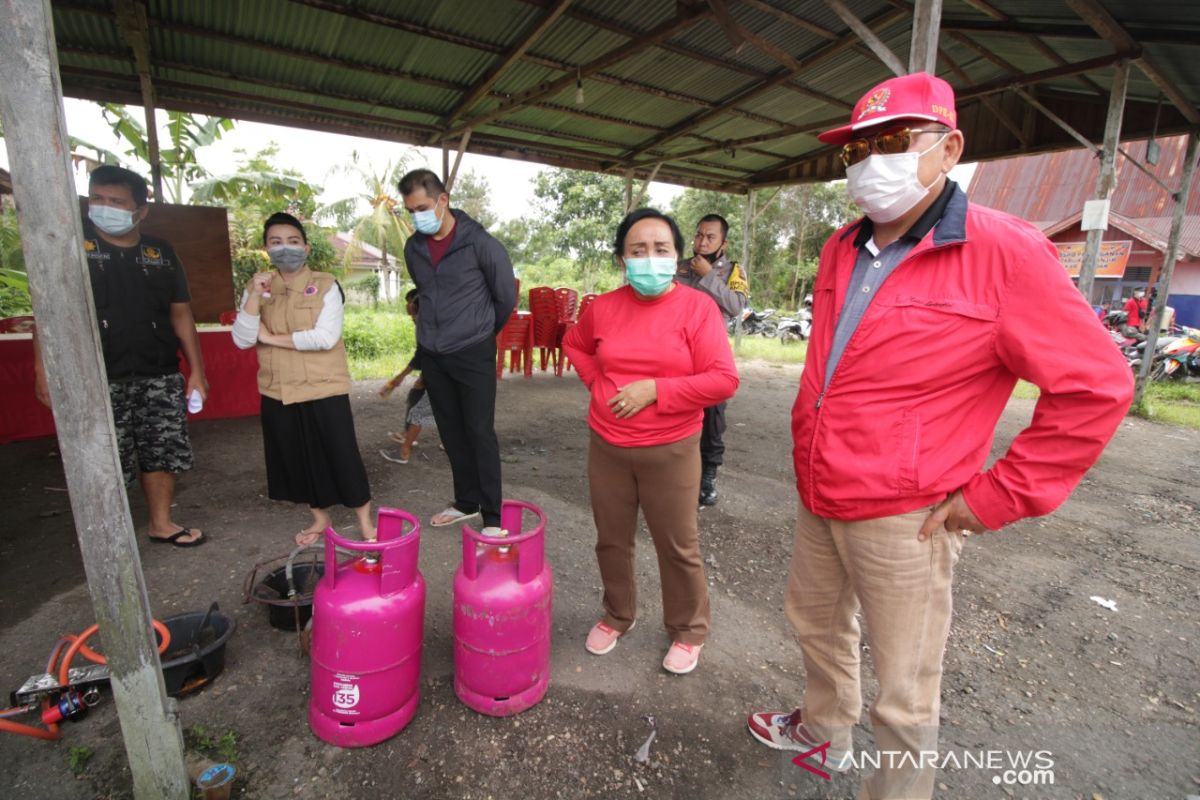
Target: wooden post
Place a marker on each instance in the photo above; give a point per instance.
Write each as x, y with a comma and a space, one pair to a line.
628, 190
747, 232
44, 190
1168, 268
462, 148
641, 194
131, 19
445, 162
927, 21
1106, 181
152, 139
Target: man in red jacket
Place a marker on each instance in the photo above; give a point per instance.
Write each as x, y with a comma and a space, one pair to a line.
926, 312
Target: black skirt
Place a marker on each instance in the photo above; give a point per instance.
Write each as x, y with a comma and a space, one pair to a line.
312, 453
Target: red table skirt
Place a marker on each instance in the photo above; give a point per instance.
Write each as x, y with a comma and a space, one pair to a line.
232, 382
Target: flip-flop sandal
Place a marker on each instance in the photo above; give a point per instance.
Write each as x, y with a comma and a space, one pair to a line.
177, 538
455, 515
308, 538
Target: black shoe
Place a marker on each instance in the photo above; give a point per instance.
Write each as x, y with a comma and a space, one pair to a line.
708, 486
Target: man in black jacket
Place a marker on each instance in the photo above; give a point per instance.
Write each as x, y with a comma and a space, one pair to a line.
467, 291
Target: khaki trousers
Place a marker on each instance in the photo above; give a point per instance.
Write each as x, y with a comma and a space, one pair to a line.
903, 587
665, 482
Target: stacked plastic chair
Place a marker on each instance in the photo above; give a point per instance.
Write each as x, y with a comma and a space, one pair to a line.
516, 341
544, 308
584, 302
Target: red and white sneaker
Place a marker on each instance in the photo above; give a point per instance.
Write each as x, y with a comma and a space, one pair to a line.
602, 638
783, 731
682, 658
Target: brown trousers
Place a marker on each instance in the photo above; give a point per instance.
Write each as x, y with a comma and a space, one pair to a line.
903, 587
665, 481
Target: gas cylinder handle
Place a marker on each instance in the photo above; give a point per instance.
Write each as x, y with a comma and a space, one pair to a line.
398, 548
530, 556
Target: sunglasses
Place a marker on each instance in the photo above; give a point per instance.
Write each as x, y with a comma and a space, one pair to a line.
889, 144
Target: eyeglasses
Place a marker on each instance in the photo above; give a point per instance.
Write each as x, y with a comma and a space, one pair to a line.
889, 144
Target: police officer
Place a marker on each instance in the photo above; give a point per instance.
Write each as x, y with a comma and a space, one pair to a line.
710, 271
144, 310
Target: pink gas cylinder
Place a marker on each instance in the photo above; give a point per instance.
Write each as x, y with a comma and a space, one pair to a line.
502, 612
368, 622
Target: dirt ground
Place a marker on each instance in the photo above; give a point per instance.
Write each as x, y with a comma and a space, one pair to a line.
1033, 663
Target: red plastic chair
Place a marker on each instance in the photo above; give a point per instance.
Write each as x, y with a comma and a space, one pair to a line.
21, 324
566, 300
515, 340
543, 307
227, 317
584, 302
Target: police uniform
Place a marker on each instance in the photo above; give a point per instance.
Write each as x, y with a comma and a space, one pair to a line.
726, 284
133, 289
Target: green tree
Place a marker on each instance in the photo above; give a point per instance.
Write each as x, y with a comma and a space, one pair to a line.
473, 195
381, 226
790, 226
580, 212
526, 242
14, 282
254, 191
179, 160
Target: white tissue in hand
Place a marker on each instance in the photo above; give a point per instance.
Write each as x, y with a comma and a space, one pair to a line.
195, 402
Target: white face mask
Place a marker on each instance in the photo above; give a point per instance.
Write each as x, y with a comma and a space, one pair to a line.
887, 187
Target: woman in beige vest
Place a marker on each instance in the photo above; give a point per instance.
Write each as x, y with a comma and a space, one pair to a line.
294, 317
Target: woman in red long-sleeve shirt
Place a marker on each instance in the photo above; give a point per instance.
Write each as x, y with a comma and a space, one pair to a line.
653, 354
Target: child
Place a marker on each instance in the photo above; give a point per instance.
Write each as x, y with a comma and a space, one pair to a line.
418, 413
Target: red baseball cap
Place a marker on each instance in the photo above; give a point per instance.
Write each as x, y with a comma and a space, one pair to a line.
916, 96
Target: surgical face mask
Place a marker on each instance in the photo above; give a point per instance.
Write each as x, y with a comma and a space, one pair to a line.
111, 220
427, 222
650, 277
287, 257
886, 187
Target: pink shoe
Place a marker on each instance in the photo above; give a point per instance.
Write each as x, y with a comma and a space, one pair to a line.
682, 658
783, 731
601, 639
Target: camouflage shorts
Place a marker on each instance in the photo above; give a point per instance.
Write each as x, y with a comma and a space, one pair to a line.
151, 419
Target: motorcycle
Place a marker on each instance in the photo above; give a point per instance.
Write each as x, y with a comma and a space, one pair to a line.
798, 327
756, 323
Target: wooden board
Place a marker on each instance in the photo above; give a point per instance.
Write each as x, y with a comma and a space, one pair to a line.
200, 236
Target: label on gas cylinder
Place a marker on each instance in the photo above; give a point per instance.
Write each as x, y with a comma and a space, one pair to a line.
345, 693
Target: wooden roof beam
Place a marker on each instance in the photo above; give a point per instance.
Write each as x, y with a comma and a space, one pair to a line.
782, 57
779, 78
1182, 34
666, 30
1112, 32
990, 104
727, 24
881, 50
485, 84
798, 21
975, 92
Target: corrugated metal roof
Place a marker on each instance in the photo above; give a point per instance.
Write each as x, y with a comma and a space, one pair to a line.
400, 70
1050, 189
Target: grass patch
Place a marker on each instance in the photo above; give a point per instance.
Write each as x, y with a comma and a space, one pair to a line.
78, 758
379, 341
1171, 402
761, 348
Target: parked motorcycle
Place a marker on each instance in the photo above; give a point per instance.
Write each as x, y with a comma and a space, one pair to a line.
756, 323
795, 328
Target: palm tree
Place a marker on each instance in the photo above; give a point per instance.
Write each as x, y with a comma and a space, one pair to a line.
381, 226
187, 133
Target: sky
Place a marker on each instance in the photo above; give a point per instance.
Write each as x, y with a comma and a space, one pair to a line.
315, 154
